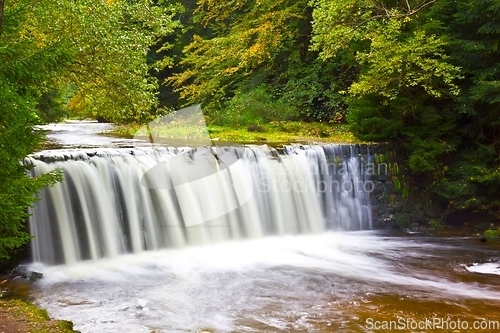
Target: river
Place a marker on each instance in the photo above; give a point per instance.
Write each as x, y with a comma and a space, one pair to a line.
335, 281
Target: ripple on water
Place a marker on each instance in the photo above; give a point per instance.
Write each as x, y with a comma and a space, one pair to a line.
332, 282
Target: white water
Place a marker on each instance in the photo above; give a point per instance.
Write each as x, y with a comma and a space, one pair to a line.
193, 197
485, 268
84, 134
275, 284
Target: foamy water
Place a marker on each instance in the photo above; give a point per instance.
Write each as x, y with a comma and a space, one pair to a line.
276, 284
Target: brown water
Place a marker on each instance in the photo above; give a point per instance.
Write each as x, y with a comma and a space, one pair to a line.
334, 282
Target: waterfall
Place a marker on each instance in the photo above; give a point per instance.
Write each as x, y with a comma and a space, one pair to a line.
119, 201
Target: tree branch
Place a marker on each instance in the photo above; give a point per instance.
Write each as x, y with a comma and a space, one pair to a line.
387, 14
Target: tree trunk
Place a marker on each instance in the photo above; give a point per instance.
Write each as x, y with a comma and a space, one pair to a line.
1, 15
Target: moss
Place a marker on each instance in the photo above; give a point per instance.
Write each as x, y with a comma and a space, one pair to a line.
402, 220
35, 319
492, 233
435, 224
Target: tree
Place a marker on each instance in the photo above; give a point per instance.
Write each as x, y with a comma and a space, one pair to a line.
248, 37
427, 84
473, 178
242, 49
110, 76
27, 67
404, 74
2, 6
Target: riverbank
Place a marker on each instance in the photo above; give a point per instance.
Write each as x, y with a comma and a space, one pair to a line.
18, 315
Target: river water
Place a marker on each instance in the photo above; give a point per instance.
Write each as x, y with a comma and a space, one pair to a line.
363, 281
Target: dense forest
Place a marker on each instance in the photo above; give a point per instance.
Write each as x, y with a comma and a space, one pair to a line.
421, 75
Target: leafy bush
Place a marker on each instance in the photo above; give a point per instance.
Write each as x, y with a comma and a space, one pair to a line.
254, 107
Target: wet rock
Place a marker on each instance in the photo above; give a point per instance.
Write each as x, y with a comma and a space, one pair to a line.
25, 272
255, 128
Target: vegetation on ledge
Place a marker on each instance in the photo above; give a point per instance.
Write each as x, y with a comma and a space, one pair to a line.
492, 233
274, 132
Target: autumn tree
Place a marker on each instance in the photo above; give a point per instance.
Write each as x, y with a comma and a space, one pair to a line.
246, 52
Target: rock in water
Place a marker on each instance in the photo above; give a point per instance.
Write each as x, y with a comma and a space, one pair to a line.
25, 273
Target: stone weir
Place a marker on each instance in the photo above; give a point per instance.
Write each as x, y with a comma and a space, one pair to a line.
117, 201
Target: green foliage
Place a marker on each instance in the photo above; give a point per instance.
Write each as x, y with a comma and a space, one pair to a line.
111, 41
436, 224
238, 47
315, 87
109, 72
274, 132
27, 68
399, 180
472, 178
397, 62
492, 233
427, 84
51, 106
402, 220
251, 37
254, 107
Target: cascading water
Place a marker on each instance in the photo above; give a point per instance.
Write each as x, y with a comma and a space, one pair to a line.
143, 212
120, 201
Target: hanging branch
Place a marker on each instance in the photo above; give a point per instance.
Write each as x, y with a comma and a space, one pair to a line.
386, 13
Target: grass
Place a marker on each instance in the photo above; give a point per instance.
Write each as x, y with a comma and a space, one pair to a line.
274, 132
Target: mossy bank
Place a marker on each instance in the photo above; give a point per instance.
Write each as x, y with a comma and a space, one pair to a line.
18, 315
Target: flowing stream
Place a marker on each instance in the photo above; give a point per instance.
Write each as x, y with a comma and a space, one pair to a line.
241, 239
